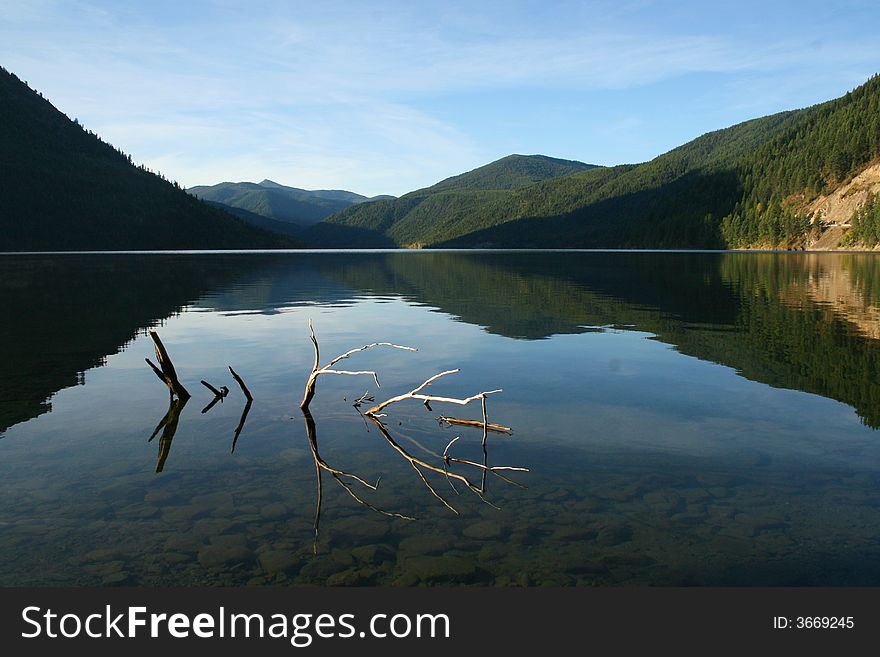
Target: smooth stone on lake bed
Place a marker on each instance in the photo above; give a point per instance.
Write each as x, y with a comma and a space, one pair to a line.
229, 540
278, 561
274, 511
158, 497
425, 544
184, 542
359, 529
373, 554
614, 534
485, 529
447, 569
212, 556
115, 579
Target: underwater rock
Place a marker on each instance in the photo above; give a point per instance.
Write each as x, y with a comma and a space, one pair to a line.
613, 534
425, 544
115, 579
483, 530
213, 556
274, 511
184, 542
434, 570
373, 554
278, 561
359, 530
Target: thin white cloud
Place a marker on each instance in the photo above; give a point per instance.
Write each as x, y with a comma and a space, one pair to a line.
323, 90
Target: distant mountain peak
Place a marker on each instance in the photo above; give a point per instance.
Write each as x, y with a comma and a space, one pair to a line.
271, 184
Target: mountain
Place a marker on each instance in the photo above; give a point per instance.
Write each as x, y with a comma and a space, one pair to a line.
276, 226
660, 203
279, 202
66, 189
760, 183
447, 208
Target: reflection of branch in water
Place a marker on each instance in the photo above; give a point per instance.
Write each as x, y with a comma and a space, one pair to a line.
340, 476
366, 397
241, 421
218, 395
317, 370
211, 404
418, 464
485, 425
247, 406
168, 426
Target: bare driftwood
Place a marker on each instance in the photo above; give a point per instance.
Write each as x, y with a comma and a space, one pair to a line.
366, 397
241, 384
416, 393
165, 371
317, 370
222, 392
218, 395
495, 428
168, 426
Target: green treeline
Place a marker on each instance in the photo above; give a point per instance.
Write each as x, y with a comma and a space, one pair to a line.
741, 186
66, 189
865, 224
752, 312
453, 206
831, 143
278, 202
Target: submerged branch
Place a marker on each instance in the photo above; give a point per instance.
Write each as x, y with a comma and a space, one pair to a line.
494, 428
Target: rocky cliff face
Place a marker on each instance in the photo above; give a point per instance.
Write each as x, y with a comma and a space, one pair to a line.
831, 215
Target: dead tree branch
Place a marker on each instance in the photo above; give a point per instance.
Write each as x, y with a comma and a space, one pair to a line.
241, 384
222, 392
494, 428
165, 371
317, 370
416, 393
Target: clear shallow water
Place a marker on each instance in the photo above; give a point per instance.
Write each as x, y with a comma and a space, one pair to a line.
685, 419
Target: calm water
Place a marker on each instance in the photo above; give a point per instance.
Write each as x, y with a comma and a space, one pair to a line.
686, 419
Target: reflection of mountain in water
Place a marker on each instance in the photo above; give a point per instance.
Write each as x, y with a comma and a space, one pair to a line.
65, 314
800, 321
270, 283
806, 322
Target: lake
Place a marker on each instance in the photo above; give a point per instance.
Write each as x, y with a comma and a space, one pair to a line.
684, 419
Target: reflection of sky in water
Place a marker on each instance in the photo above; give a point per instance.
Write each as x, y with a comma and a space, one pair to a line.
594, 412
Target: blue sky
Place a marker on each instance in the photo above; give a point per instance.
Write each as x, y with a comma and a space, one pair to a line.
385, 97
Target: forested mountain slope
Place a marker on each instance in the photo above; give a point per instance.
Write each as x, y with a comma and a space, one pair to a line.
66, 189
